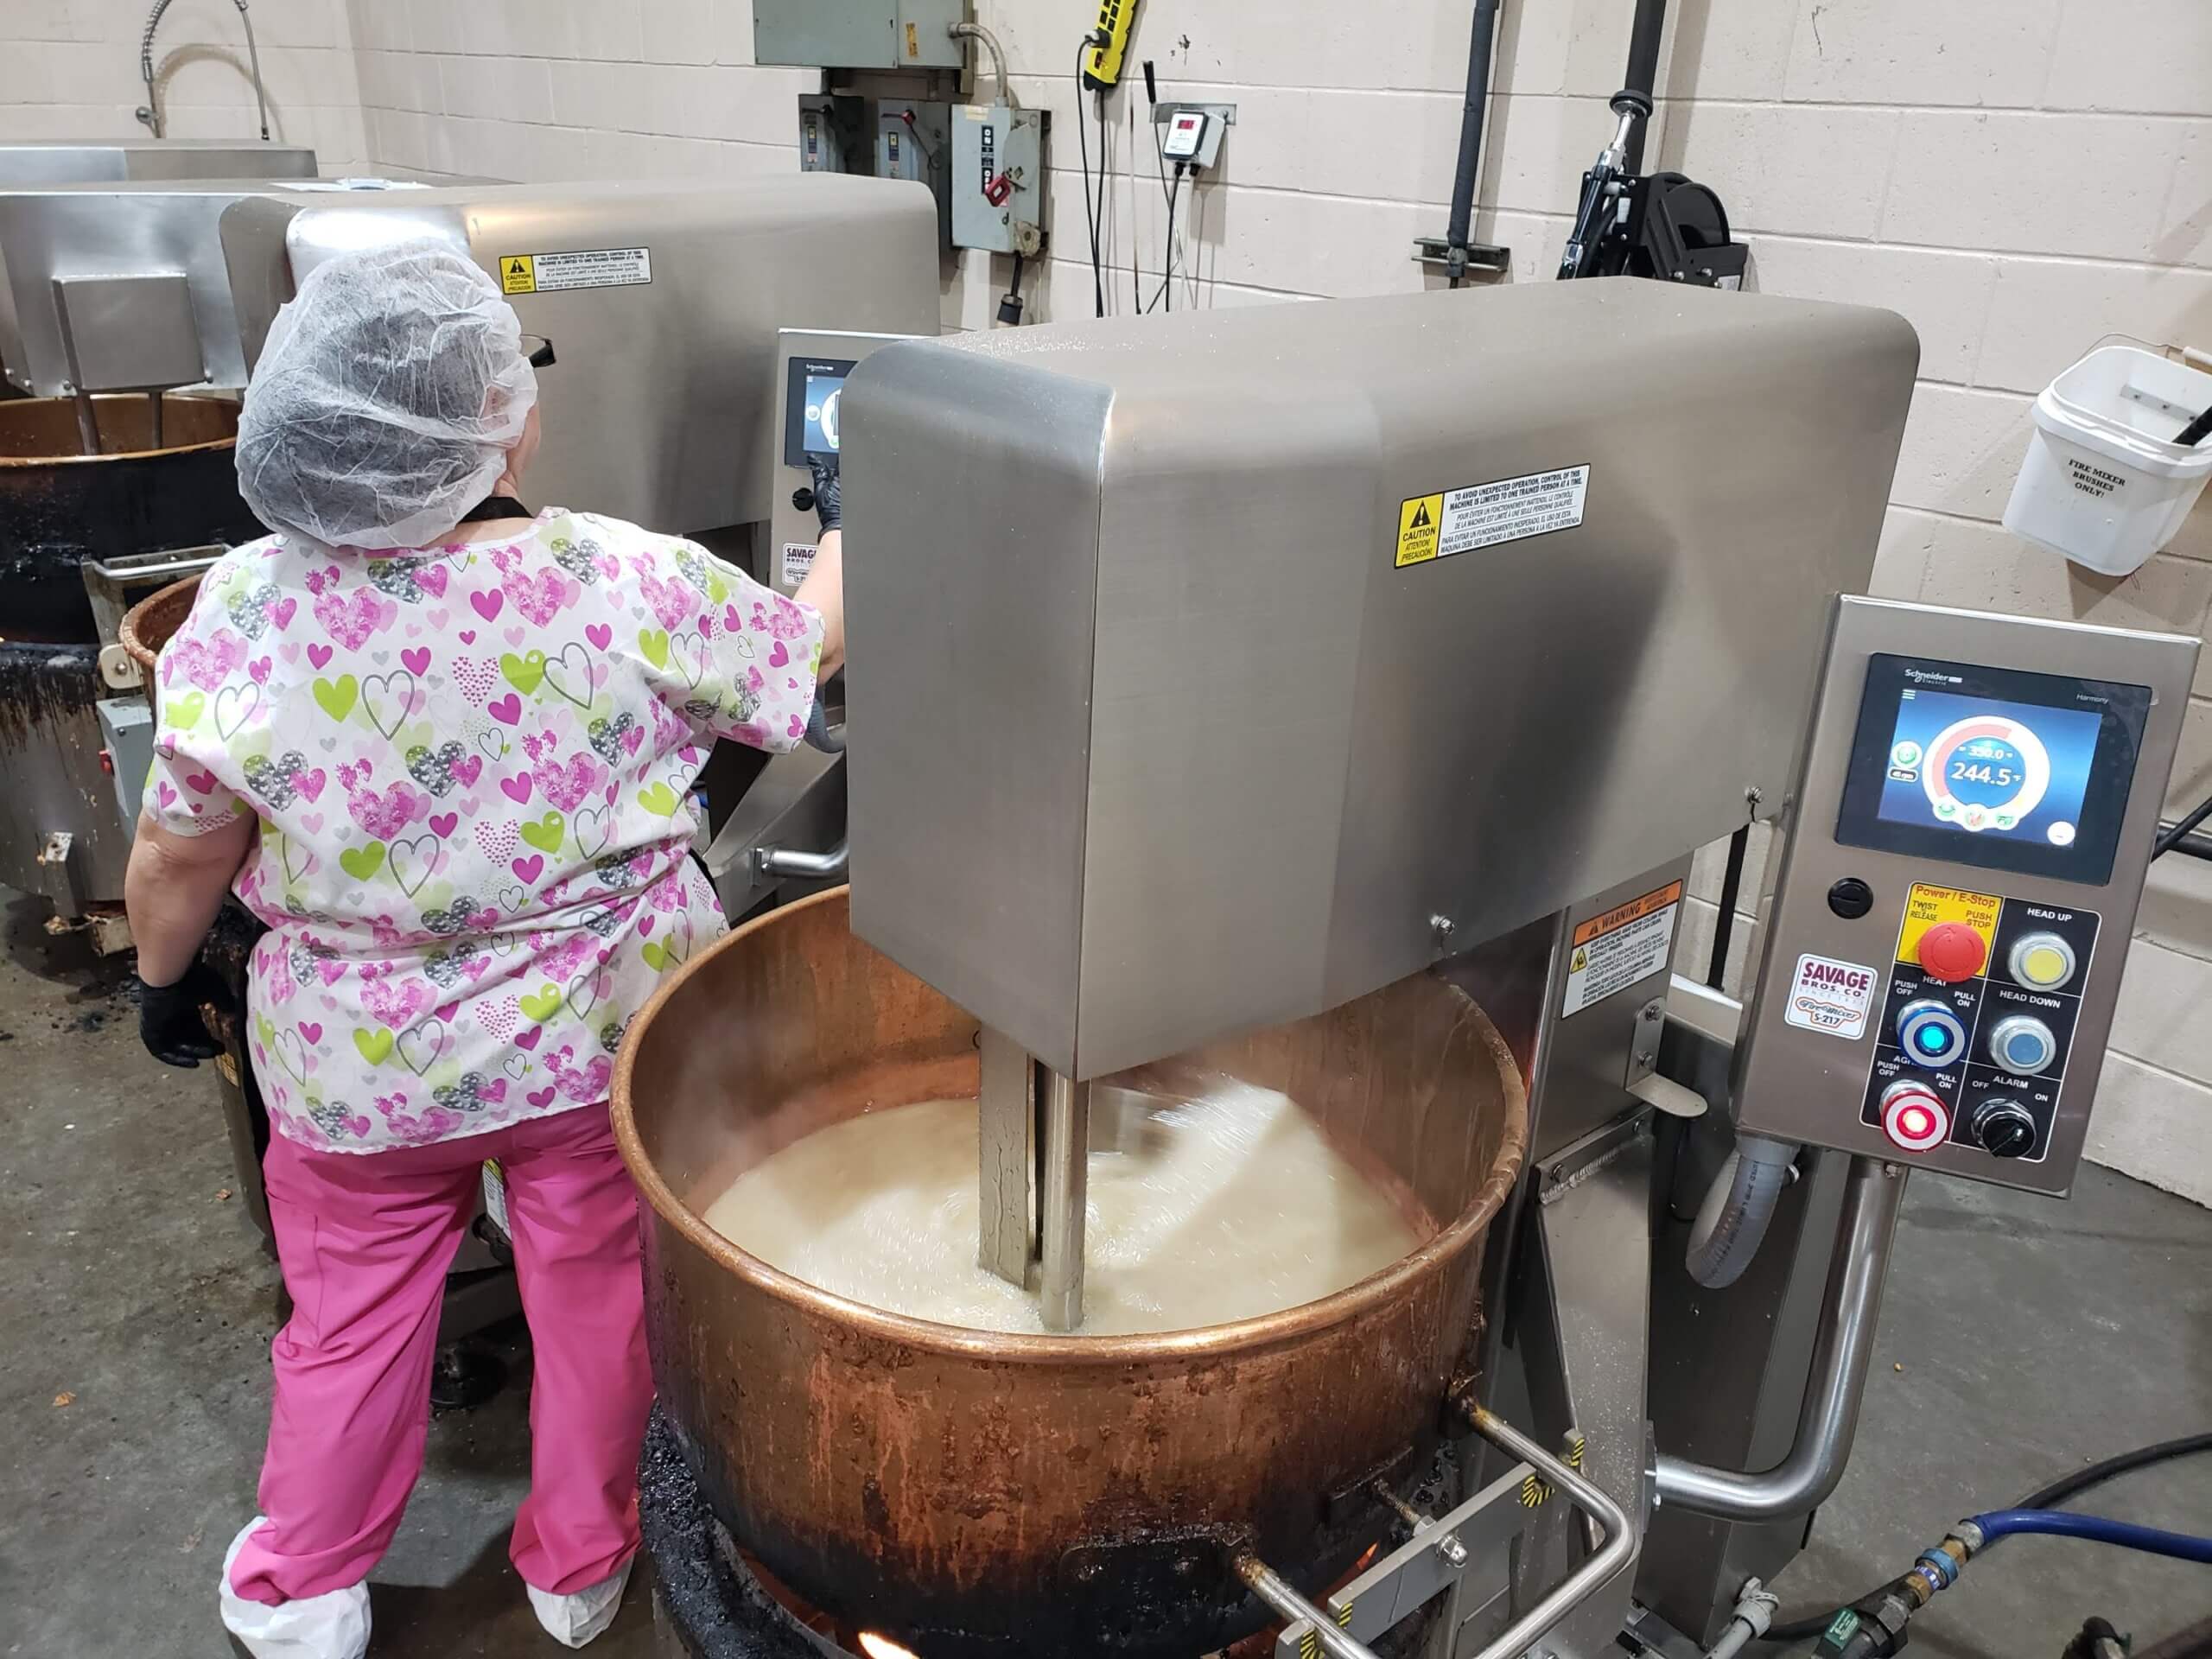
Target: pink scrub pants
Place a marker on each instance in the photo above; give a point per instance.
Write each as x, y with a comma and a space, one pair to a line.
365, 1240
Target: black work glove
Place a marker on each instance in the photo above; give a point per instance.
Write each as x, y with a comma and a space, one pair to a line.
168, 1018
828, 501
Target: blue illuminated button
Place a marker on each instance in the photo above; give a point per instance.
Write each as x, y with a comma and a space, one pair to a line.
2022, 1044
1930, 1032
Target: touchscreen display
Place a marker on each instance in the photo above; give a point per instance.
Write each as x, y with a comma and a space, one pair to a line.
2005, 769
822, 391
1995, 767
814, 396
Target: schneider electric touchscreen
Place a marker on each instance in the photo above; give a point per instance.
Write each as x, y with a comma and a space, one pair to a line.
1993, 768
816, 388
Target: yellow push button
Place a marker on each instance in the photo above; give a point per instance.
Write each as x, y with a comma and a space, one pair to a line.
2042, 960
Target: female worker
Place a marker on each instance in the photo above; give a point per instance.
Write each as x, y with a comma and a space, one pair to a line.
445, 750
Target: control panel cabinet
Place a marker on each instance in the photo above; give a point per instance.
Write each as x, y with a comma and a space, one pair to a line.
811, 369
1950, 917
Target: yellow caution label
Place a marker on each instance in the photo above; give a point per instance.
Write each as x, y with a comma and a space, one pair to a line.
1927, 906
519, 273
913, 42
1421, 520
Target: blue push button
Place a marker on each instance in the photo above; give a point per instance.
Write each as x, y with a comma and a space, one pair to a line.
2022, 1044
1930, 1032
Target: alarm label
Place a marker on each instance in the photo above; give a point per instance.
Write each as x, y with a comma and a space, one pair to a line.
1831, 997
1627, 943
1489, 515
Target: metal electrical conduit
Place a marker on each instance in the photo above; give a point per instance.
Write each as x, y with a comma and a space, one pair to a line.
1830, 1418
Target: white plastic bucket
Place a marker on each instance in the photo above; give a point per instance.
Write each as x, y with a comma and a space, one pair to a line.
2103, 482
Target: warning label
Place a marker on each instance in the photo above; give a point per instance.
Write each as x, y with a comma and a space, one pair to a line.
1830, 996
1417, 528
1628, 943
550, 273
1485, 515
1925, 907
799, 559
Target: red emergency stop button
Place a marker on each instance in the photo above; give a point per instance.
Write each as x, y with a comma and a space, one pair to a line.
1952, 952
1914, 1115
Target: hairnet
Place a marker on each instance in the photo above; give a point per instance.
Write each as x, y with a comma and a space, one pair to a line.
387, 395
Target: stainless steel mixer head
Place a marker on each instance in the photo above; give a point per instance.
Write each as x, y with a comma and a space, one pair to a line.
1215, 659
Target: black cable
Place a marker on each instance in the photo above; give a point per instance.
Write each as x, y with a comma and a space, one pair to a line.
1163, 297
2169, 839
1099, 234
1724, 921
1089, 214
1137, 273
2195, 431
2042, 1497
1167, 270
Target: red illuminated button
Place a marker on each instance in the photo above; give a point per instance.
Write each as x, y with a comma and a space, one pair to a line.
1914, 1115
1951, 952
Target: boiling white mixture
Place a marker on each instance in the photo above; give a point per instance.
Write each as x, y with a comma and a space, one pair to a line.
1223, 1208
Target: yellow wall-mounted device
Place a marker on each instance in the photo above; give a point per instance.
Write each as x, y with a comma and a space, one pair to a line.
1102, 65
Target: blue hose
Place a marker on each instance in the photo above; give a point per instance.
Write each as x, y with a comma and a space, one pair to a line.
2002, 1524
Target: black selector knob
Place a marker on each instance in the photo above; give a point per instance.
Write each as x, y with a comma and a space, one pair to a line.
1850, 897
2004, 1128
802, 498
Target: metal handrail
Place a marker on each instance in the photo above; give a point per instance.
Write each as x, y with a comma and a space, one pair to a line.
1829, 1421
1612, 1557
773, 862
1271, 1587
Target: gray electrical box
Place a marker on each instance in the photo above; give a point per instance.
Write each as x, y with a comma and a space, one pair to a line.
127, 733
998, 178
833, 134
859, 34
914, 140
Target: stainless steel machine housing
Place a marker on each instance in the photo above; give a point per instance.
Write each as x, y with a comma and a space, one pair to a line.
1176, 712
160, 228
1242, 765
661, 408
64, 161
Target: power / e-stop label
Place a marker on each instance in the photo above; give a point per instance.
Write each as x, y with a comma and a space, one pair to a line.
1487, 515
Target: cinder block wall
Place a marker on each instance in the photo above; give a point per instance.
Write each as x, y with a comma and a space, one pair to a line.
2019, 177
69, 69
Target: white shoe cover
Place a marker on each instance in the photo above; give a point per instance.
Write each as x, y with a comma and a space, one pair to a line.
581, 1615
333, 1625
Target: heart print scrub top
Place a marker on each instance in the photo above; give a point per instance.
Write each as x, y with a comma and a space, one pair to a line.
472, 767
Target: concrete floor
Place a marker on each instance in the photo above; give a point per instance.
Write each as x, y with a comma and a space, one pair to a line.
2020, 1338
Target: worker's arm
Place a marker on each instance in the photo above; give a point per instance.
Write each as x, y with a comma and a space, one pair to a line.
172, 889
824, 590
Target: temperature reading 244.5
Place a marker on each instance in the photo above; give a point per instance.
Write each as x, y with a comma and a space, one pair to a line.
1989, 774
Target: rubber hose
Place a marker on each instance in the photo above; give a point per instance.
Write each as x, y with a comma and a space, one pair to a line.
1732, 1220
2096, 1529
2044, 1498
